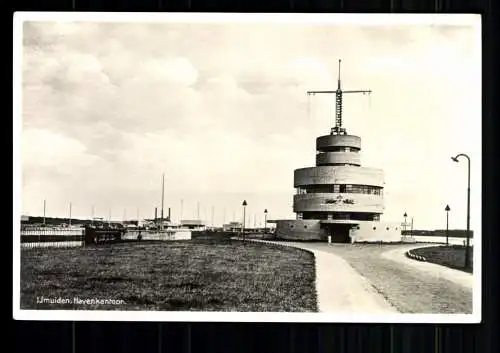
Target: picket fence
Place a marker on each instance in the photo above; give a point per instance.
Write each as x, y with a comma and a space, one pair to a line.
52, 237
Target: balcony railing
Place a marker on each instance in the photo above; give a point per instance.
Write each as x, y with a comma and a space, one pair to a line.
326, 202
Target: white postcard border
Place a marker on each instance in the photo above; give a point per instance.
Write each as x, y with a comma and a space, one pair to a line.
177, 316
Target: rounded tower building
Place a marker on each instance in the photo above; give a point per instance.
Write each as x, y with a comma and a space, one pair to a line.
338, 191
337, 199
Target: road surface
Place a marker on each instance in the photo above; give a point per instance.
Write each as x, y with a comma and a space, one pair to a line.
406, 286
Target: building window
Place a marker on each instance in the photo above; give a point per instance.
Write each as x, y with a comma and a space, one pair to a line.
356, 189
335, 149
305, 227
340, 188
374, 228
341, 215
387, 228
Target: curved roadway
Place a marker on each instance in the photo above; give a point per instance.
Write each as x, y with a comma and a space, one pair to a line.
406, 285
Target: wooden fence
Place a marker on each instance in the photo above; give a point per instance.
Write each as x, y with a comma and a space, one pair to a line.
51, 237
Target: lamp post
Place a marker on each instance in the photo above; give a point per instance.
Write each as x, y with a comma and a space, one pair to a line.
70, 214
265, 221
404, 224
467, 250
243, 225
447, 209
44, 207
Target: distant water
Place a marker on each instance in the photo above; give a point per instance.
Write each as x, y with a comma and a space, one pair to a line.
453, 241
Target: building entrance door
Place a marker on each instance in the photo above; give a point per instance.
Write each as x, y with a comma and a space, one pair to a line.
339, 233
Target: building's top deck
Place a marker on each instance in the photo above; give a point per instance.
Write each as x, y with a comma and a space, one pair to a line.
330, 143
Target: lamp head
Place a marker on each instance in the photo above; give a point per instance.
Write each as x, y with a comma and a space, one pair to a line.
244, 202
447, 208
405, 215
454, 159
265, 211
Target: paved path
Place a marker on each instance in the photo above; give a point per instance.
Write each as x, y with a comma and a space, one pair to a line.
371, 278
340, 288
411, 287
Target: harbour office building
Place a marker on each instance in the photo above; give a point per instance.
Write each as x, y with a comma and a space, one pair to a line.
338, 200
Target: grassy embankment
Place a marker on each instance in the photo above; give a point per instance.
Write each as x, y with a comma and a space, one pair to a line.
198, 275
452, 256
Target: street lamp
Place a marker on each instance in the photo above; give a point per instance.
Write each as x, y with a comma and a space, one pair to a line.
265, 221
243, 225
447, 209
467, 250
404, 224
44, 207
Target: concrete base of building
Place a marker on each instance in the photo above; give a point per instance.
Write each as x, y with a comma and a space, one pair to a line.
300, 230
361, 232
387, 232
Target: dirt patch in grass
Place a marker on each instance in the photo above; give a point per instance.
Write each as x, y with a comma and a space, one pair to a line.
203, 275
452, 256
406, 288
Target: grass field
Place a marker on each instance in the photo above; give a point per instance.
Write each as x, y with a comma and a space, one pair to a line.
198, 275
452, 256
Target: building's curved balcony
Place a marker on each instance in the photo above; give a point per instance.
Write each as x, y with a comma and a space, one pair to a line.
326, 202
322, 175
339, 158
332, 142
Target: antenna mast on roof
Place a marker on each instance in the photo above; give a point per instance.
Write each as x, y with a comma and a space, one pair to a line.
338, 129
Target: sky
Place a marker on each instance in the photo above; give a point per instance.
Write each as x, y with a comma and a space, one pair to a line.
221, 109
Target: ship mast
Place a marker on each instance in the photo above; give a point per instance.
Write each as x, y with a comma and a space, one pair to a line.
339, 92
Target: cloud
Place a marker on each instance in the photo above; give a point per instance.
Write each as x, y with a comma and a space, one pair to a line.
47, 149
177, 71
50, 157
